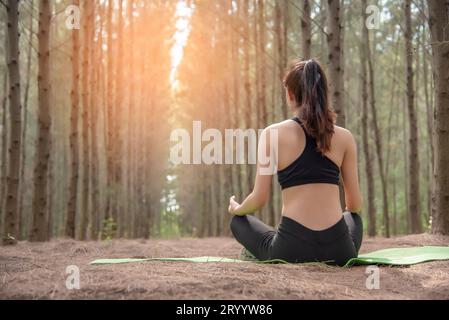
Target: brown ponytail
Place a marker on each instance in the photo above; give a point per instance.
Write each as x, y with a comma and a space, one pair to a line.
307, 81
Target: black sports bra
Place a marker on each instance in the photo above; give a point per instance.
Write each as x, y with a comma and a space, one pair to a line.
310, 167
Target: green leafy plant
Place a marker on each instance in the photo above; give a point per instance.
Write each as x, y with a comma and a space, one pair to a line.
109, 229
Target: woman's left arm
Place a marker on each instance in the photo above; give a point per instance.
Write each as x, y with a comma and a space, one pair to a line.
266, 167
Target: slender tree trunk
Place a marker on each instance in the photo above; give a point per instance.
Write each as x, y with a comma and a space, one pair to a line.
95, 58
247, 86
258, 66
131, 122
365, 138
406, 166
11, 213
257, 79
285, 24
214, 200
306, 30
390, 128
262, 75
51, 183
413, 169
335, 59
336, 68
102, 134
263, 61
280, 52
323, 37
236, 67
377, 133
395, 228
285, 19
429, 122
237, 168
86, 74
275, 116
4, 145
438, 22
74, 147
23, 185
118, 161
111, 209
391, 111
39, 230
227, 172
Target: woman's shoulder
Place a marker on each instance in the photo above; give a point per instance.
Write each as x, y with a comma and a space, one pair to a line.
282, 125
281, 129
342, 131
343, 135
282, 132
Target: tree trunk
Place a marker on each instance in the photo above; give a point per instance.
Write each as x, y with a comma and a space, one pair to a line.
131, 124
306, 30
262, 102
95, 58
226, 174
258, 67
377, 134
39, 230
365, 137
336, 68
280, 52
413, 169
11, 213
4, 147
395, 229
429, 114
335, 59
23, 184
74, 147
121, 221
86, 74
263, 61
247, 86
406, 165
110, 198
322, 21
438, 22
238, 188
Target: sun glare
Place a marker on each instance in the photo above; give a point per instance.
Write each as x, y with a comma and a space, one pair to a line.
182, 15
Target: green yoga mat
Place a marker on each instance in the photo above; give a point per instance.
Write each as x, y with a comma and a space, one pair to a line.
402, 256
392, 256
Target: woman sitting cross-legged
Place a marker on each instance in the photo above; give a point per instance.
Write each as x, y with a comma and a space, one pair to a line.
310, 154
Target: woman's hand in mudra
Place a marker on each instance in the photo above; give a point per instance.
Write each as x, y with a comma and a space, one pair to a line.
233, 206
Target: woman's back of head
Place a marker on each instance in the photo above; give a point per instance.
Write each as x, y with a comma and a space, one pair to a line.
306, 82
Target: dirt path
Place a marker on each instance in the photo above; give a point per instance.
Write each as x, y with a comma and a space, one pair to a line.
37, 271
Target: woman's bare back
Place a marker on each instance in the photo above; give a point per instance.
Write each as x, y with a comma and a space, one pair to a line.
315, 205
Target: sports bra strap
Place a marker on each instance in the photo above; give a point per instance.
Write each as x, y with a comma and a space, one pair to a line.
309, 167
296, 119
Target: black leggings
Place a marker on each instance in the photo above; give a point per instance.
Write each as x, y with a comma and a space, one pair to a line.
293, 242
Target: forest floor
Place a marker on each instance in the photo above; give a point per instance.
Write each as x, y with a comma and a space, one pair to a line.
38, 271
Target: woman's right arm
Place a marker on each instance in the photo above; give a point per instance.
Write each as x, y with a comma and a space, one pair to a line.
353, 198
